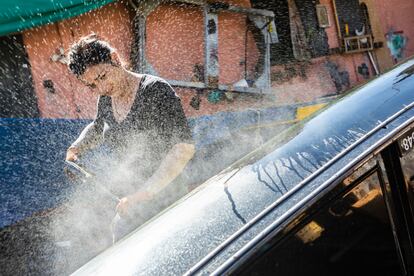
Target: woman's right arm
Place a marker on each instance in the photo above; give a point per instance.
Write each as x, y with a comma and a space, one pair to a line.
92, 134
90, 137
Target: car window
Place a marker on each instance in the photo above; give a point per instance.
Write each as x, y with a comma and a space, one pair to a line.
351, 235
407, 164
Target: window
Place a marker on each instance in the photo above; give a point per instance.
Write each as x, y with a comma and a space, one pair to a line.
316, 36
349, 17
352, 235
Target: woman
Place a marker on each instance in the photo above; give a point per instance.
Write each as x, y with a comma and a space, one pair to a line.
140, 117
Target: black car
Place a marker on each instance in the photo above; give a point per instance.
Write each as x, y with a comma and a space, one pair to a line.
333, 195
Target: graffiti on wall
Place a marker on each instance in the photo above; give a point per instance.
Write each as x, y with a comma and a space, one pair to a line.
396, 42
340, 78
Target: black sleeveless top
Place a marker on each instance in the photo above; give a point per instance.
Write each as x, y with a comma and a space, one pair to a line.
155, 123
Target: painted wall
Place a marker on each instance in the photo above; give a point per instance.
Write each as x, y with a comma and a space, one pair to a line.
175, 40
307, 81
235, 49
397, 15
319, 77
385, 16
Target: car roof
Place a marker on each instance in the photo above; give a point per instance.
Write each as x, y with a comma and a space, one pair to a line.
207, 227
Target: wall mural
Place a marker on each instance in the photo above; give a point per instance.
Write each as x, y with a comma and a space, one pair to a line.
396, 42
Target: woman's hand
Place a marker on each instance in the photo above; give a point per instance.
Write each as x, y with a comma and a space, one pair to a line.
72, 154
123, 206
129, 201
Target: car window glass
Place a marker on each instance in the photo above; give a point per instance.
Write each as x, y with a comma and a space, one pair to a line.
351, 236
407, 163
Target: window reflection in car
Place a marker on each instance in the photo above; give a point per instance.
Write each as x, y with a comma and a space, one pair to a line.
350, 236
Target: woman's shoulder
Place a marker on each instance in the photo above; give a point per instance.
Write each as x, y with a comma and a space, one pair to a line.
156, 86
149, 81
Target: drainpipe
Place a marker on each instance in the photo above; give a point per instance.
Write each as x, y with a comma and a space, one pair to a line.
373, 62
138, 61
211, 71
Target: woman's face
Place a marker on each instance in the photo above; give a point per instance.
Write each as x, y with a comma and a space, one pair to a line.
100, 78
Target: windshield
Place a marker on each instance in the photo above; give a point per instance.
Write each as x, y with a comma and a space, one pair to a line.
138, 122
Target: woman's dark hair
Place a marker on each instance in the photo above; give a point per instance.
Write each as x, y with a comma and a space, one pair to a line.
88, 51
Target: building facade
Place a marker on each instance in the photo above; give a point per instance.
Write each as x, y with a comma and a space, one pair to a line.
230, 55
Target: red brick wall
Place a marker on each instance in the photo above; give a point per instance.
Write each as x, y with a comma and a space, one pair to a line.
175, 40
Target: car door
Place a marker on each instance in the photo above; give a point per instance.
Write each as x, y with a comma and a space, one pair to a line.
398, 162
